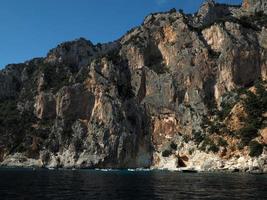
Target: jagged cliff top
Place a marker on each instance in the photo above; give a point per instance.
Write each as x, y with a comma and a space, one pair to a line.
208, 13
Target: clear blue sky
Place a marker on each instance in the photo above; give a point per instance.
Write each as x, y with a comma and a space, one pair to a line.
29, 28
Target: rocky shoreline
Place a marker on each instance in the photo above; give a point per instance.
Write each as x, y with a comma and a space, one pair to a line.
210, 163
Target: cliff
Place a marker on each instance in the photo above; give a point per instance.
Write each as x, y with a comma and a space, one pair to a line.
180, 91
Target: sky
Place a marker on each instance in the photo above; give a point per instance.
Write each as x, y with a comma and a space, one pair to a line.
30, 28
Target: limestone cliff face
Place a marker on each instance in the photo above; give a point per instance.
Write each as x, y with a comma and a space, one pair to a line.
255, 5
180, 92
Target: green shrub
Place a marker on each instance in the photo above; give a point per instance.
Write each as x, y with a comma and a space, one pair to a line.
55, 77
222, 142
198, 137
255, 148
247, 134
173, 146
186, 138
262, 96
229, 100
213, 147
78, 143
240, 146
227, 131
173, 10
214, 128
210, 144
166, 153
253, 106
9, 116
259, 18
204, 144
256, 104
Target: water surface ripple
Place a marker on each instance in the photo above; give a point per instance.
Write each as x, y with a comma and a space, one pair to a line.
91, 184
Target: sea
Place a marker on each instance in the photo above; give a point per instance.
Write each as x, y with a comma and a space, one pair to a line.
27, 184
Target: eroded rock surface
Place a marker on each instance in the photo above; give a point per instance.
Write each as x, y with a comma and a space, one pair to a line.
180, 91
255, 5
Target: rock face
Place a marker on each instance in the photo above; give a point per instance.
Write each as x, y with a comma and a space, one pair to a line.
45, 106
75, 53
180, 91
264, 135
73, 102
255, 5
210, 10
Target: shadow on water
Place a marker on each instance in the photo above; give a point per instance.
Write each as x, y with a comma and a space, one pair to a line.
90, 184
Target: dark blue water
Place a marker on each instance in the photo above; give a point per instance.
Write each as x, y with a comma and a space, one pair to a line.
90, 184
